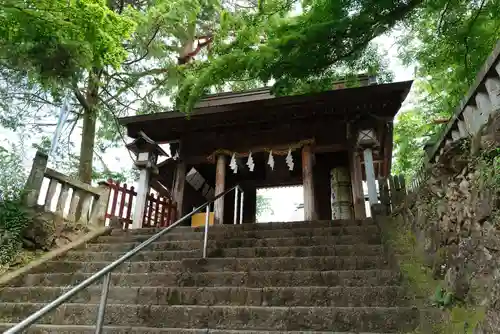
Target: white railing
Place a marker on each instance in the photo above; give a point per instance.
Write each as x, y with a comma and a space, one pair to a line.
66, 197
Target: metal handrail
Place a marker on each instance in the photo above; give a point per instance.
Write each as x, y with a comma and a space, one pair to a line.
105, 273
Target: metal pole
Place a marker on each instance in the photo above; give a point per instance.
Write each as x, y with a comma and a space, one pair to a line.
241, 207
235, 219
205, 241
102, 303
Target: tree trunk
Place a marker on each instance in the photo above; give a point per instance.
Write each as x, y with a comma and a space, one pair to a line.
89, 127
87, 146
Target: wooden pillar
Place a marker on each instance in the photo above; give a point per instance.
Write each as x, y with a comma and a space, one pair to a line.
179, 184
358, 196
307, 180
250, 203
370, 176
220, 183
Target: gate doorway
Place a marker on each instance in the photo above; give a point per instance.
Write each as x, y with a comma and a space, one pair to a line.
280, 204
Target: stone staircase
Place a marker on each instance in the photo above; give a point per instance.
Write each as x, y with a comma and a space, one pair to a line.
312, 277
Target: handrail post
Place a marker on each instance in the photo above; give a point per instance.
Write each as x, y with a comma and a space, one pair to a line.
241, 207
235, 217
102, 303
205, 238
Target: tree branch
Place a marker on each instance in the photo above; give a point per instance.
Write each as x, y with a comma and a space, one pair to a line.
55, 124
199, 46
106, 168
147, 48
79, 96
443, 13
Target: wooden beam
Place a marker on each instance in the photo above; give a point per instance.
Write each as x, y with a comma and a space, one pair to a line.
307, 179
179, 184
250, 138
220, 183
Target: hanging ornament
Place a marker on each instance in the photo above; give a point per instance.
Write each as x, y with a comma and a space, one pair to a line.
289, 160
176, 156
233, 164
270, 161
250, 162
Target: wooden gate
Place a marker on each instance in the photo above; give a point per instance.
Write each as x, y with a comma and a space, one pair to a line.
160, 209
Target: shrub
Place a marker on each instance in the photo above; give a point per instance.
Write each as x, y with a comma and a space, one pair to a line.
13, 221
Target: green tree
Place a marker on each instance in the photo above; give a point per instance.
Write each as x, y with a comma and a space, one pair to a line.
55, 42
13, 218
122, 56
263, 205
12, 176
116, 58
411, 133
273, 45
449, 41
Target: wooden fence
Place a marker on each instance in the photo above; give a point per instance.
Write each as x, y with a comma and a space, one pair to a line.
66, 197
392, 192
160, 209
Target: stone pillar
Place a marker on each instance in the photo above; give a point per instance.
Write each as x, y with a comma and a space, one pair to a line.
220, 183
370, 176
178, 190
98, 214
35, 179
358, 196
307, 180
142, 193
341, 193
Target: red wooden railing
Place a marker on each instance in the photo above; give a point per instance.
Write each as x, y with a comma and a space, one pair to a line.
160, 209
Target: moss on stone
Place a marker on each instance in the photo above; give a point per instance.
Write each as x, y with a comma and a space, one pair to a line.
418, 279
174, 297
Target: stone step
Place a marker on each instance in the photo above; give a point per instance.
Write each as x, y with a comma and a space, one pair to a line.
86, 256
255, 226
224, 234
243, 279
320, 263
72, 329
387, 296
299, 251
245, 252
387, 319
235, 243
63, 266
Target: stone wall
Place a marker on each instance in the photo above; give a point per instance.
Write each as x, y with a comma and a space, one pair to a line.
455, 219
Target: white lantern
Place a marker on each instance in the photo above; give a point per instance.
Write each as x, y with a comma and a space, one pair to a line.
367, 137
